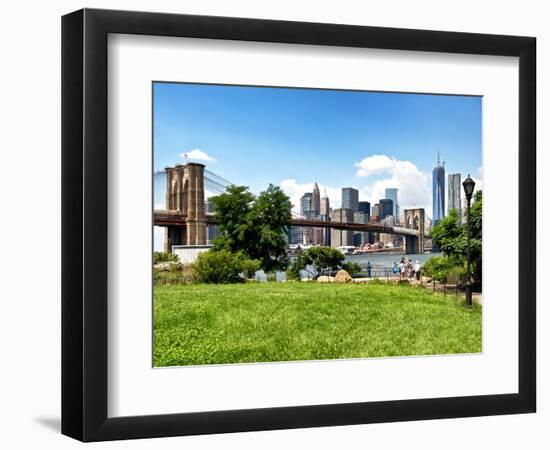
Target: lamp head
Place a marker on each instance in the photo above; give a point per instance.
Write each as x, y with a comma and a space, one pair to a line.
469, 186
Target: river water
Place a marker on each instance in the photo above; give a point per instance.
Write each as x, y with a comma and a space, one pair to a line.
385, 260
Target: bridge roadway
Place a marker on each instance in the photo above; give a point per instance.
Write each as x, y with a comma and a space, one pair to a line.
164, 218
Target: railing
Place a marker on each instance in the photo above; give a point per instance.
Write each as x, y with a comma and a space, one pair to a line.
374, 272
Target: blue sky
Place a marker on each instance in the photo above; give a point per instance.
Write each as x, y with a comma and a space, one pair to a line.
292, 137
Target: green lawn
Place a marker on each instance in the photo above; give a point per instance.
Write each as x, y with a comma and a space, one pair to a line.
258, 322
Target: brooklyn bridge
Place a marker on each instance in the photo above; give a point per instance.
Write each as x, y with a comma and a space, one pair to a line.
186, 220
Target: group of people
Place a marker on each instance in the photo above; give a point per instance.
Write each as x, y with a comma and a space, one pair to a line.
406, 269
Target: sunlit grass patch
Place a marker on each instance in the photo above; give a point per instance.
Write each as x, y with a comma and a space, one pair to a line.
261, 322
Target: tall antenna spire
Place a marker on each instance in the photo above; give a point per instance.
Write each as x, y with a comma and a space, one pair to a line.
438, 159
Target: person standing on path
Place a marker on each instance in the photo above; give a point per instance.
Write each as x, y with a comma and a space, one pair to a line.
416, 269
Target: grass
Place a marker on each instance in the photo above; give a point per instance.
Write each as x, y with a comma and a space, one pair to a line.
260, 322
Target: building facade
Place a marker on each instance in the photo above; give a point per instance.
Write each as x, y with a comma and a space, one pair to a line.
391, 193
295, 235
306, 202
339, 238
350, 199
453, 190
324, 209
362, 237
438, 192
386, 208
325, 216
316, 200
375, 212
364, 207
212, 229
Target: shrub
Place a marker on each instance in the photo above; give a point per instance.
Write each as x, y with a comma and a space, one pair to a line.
440, 267
222, 266
165, 257
249, 266
292, 275
174, 267
352, 267
315, 260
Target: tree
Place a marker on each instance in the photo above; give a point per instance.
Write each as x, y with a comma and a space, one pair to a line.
315, 260
451, 236
232, 210
255, 226
476, 222
271, 217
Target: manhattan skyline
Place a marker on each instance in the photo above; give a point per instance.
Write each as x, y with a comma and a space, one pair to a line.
293, 137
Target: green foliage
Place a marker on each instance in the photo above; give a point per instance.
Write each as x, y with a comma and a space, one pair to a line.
255, 226
184, 275
440, 267
319, 259
291, 274
352, 267
165, 257
451, 236
261, 322
222, 266
249, 266
166, 262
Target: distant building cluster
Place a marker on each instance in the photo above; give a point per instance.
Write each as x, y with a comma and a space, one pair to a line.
454, 190
315, 207
386, 212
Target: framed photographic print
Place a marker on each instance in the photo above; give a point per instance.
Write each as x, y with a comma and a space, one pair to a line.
273, 224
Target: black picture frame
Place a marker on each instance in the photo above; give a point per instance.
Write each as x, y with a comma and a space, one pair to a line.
84, 224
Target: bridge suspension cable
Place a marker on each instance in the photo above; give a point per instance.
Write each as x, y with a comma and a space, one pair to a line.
214, 177
213, 182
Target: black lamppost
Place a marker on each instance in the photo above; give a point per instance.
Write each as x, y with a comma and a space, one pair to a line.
469, 185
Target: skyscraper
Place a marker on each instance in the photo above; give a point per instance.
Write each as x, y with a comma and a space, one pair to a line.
361, 238
438, 191
316, 200
325, 216
453, 188
324, 209
391, 193
350, 198
306, 202
364, 207
340, 238
211, 229
386, 208
295, 235
375, 212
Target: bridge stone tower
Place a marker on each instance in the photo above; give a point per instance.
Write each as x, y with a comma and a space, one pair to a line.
185, 194
415, 219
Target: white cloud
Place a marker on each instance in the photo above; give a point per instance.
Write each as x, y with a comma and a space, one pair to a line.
295, 190
413, 184
198, 155
479, 180
374, 164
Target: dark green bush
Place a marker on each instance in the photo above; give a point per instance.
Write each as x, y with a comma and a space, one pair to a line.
222, 266
292, 275
440, 267
352, 267
249, 266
